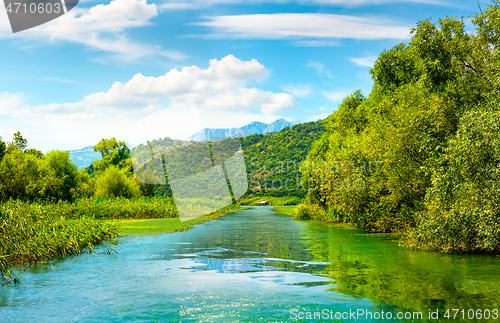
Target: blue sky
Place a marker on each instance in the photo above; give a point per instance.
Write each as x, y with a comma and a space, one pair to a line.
105, 66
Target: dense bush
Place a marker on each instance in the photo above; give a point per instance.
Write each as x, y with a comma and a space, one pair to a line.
308, 211
116, 182
28, 176
286, 200
114, 208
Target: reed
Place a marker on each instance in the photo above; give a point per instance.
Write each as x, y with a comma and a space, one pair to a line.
29, 234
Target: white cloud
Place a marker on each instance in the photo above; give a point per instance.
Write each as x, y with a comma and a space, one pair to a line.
299, 91
102, 28
306, 25
10, 103
197, 4
320, 68
364, 61
336, 95
316, 43
219, 87
220, 91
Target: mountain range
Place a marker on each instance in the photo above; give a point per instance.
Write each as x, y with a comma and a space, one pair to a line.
85, 156
250, 129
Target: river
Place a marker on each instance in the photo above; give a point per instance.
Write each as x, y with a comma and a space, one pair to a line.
255, 265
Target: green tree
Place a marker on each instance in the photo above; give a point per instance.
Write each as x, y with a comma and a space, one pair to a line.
18, 143
35, 152
19, 176
425, 124
59, 176
52, 177
113, 152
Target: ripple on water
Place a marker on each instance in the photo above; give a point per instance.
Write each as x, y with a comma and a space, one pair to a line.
251, 266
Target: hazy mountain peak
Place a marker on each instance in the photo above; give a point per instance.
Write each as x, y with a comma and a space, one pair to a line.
255, 127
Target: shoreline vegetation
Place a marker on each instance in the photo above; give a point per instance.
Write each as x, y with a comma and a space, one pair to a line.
33, 232
128, 227
419, 157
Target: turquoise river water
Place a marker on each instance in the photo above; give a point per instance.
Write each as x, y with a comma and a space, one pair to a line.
255, 265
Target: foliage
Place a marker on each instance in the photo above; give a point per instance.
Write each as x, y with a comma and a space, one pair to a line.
273, 200
115, 182
26, 176
30, 233
18, 143
463, 204
305, 212
419, 153
113, 152
273, 160
114, 208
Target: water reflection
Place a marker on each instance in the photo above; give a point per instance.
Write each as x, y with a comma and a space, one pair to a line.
253, 265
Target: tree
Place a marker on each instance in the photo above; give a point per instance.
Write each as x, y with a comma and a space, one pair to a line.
34, 152
113, 152
18, 143
58, 176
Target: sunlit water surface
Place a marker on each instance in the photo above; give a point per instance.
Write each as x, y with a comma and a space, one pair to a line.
253, 265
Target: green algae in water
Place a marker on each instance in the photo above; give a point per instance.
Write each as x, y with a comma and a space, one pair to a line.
253, 265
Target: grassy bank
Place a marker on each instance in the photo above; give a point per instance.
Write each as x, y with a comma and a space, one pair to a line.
287, 210
140, 227
31, 232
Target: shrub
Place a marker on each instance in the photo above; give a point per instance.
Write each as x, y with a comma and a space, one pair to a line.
308, 211
115, 182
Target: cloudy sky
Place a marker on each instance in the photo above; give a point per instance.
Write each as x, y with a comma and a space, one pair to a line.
105, 67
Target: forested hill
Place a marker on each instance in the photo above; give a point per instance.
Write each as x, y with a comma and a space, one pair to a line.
273, 160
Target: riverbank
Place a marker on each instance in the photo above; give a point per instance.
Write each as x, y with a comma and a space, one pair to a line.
32, 232
145, 227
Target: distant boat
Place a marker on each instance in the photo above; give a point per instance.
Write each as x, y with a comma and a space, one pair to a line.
260, 203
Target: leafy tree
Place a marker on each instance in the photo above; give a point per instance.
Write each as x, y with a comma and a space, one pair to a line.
19, 176
113, 152
18, 143
52, 177
34, 152
59, 176
430, 125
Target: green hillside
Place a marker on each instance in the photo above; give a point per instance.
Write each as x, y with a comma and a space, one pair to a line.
273, 160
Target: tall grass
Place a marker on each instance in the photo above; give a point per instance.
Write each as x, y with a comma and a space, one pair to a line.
29, 233
114, 208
